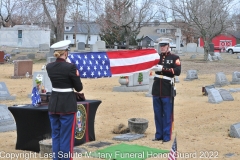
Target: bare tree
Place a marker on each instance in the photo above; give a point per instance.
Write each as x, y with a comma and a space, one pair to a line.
6, 9
75, 14
126, 17
235, 22
28, 12
56, 11
207, 18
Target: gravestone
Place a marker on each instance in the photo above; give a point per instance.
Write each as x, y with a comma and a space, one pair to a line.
149, 94
31, 56
209, 58
191, 48
238, 89
214, 96
99, 144
101, 45
81, 46
235, 78
200, 50
133, 84
45, 82
234, 90
134, 79
221, 79
238, 56
214, 58
178, 35
193, 56
206, 89
191, 75
156, 47
4, 93
21, 67
44, 47
116, 45
218, 55
93, 48
176, 79
128, 137
226, 95
1, 57
7, 122
22, 58
16, 51
50, 54
235, 130
51, 59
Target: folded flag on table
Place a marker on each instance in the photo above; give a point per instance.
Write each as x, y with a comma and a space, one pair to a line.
35, 96
114, 63
173, 153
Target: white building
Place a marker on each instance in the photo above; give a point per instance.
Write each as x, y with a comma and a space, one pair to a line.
79, 33
26, 36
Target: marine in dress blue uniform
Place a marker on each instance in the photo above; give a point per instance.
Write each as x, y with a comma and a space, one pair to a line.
62, 104
163, 90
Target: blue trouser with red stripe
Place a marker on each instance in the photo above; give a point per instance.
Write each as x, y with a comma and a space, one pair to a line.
163, 109
63, 134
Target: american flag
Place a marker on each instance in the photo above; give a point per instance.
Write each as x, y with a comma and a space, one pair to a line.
114, 63
173, 153
35, 96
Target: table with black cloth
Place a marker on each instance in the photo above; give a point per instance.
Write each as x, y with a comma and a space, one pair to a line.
33, 124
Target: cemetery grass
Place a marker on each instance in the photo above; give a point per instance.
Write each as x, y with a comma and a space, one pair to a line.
202, 128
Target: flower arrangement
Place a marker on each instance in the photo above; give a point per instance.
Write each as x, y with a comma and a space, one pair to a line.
123, 80
39, 79
123, 77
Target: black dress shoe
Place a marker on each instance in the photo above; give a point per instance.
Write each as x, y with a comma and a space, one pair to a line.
156, 139
166, 140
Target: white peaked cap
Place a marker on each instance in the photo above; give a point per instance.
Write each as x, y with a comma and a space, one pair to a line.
164, 40
61, 45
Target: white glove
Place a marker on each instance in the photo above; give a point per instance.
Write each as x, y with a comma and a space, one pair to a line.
157, 68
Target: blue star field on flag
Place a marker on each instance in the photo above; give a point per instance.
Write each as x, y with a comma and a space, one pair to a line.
35, 96
92, 64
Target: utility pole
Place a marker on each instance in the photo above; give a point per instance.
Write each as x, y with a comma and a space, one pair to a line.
88, 28
76, 26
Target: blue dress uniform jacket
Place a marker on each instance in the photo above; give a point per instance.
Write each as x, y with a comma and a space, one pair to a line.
63, 75
171, 67
163, 95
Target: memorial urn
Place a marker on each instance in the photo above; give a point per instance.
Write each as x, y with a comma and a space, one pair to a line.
123, 80
137, 125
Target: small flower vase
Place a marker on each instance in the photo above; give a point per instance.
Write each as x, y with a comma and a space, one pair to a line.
123, 81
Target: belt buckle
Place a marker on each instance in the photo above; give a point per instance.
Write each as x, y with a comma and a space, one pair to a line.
160, 76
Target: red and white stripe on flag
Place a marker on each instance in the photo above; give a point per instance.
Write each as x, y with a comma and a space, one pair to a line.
127, 62
173, 153
114, 63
